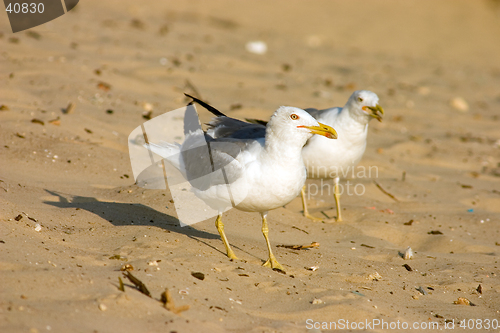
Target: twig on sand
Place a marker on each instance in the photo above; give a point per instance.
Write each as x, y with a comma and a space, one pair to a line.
29, 217
138, 283
300, 229
385, 192
299, 247
121, 287
166, 296
328, 217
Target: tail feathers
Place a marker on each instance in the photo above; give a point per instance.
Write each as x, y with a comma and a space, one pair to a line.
207, 106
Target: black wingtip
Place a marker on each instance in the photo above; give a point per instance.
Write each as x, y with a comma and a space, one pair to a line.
206, 106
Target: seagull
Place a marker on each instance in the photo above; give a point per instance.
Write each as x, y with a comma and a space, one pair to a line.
261, 167
330, 159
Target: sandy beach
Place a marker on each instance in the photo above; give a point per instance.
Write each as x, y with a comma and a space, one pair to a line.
72, 218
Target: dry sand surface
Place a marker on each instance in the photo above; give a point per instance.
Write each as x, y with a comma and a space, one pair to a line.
435, 66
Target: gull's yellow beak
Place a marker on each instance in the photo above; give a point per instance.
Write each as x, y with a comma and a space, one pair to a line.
375, 111
322, 129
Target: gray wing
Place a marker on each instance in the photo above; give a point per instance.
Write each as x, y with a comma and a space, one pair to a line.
225, 127
209, 162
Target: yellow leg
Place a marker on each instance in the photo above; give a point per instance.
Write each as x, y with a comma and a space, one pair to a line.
220, 228
271, 262
304, 206
336, 195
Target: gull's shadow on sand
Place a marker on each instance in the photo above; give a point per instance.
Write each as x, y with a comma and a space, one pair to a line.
119, 214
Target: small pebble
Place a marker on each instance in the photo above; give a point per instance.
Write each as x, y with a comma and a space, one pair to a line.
37, 121
479, 289
256, 47
422, 291
375, 277
147, 106
127, 267
70, 108
147, 115
460, 104
462, 301
408, 254
198, 275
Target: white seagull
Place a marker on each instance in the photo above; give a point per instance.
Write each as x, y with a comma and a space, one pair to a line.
330, 159
261, 166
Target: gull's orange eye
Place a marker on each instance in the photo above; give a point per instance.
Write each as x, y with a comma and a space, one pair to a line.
294, 116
